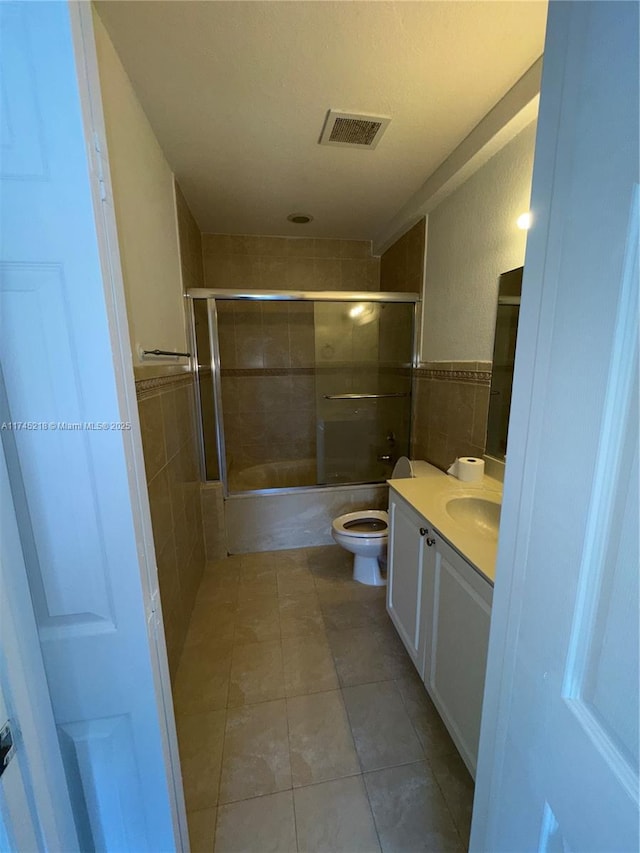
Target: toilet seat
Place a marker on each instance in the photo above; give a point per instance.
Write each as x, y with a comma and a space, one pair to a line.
369, 523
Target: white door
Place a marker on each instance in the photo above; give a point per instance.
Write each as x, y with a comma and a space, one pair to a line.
35, 810
558, 767
78, 488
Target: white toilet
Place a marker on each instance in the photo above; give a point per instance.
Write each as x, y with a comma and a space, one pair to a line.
366, 533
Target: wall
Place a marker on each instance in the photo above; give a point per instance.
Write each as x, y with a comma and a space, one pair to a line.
145, 211
472, 239
402, 265
170, 455
289, 263
167, 418
450, 407
159, 249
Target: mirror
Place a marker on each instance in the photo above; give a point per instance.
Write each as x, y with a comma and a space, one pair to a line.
504, 350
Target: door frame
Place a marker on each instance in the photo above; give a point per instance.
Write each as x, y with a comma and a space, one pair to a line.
90, 96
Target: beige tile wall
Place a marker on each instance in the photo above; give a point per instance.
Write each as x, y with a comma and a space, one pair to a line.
268, 390
402, 265
289, 263
269, 419
450, 407
166, 408
190, 244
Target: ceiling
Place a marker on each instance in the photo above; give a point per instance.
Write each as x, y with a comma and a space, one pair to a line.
237, 94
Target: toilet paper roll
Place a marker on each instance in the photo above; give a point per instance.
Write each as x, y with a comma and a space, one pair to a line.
468, 469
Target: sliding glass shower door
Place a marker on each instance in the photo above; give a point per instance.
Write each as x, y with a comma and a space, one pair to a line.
310, 393
363, 389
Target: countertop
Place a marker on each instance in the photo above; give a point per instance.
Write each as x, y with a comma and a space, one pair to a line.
429, 494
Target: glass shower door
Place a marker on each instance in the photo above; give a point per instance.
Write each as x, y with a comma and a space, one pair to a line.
363, 358
307, 392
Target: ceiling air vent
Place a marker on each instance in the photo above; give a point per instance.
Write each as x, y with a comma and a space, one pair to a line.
350, 130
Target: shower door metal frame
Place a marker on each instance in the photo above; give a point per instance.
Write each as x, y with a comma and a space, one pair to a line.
212, 294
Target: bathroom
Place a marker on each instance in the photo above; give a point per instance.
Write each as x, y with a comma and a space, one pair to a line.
273, 628
248, 601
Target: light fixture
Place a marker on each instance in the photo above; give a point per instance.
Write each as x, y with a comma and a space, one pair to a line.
299, 218
524, 221
356, 311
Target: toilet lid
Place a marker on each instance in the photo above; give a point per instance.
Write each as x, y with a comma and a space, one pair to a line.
402, 469
371, 523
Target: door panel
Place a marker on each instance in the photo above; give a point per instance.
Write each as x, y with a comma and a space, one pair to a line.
70, 476
559, 747
455, 671
406, 577
35, 808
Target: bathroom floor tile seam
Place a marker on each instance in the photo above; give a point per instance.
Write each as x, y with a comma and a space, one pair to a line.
342, 590
363, 775
220, 809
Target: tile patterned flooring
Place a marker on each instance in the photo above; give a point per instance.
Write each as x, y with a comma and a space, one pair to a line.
302, 723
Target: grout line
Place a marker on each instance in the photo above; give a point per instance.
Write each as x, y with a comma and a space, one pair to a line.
293, 799
406, 709
427, 758
295, 819
215, 828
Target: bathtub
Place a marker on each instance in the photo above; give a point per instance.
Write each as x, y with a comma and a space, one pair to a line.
293, 518
274, 475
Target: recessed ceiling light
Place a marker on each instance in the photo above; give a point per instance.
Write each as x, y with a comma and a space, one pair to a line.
299, 218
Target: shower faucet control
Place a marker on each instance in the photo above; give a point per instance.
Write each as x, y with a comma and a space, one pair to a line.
384, 457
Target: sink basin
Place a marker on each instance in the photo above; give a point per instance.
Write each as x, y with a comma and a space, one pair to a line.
478, 514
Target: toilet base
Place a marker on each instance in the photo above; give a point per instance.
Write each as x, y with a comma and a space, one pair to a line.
366, 570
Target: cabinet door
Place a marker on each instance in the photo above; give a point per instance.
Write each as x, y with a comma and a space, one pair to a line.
407, 563
456, 651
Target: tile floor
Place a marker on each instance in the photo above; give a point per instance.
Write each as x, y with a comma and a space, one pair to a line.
302, 723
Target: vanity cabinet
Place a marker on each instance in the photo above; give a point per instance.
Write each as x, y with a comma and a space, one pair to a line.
441, 608
410, 561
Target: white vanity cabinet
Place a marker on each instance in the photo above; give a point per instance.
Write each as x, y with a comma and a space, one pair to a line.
441, 607
456, 649
410, 560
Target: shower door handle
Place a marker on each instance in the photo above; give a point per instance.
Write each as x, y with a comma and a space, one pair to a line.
361, 396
